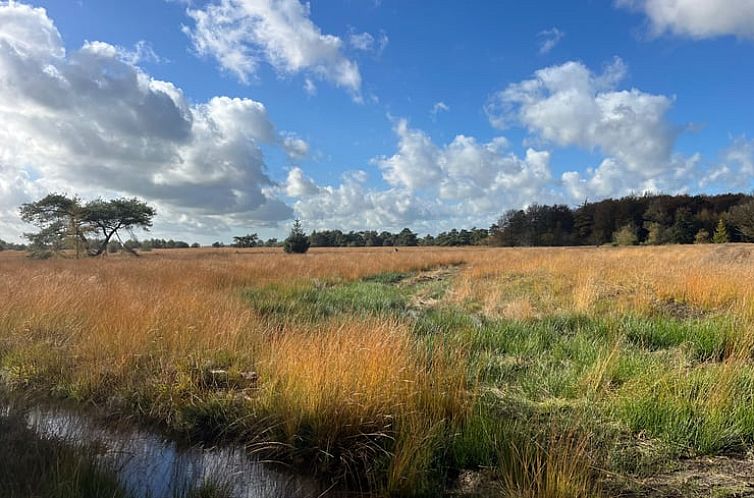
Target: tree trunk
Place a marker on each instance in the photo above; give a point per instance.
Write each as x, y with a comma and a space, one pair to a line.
103, 247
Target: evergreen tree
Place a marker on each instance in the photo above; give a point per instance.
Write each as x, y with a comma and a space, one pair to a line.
721, 233
297, 242
684, 228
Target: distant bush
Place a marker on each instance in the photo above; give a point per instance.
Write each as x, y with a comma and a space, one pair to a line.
626, 236
702, 237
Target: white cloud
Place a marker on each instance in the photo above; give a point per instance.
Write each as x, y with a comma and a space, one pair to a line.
736, 168
548, 39
438, 108
361, 41
93, 122
610, 179
299, 185
366, 42
416, 164
461, 183
697, 18
241, 34
142, 52
352, 205
569, 105
295, 147
310, 87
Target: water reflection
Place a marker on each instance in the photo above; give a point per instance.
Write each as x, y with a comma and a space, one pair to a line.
150, 465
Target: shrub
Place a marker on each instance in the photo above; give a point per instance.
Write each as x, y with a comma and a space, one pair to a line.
626, 236
702, 237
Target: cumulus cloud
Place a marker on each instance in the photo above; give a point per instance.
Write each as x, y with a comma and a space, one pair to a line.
92, 121
295, 147
548, 39
241, 34
300, 185
416, 164
462, 182
735, 169
697, 18
570, 105
353, 205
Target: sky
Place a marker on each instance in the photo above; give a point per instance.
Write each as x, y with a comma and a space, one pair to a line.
237, 116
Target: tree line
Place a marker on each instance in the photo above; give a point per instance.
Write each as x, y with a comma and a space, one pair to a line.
94, 227
372, 238
646, 219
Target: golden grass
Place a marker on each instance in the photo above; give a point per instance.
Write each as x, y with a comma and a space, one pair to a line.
632, 279
148, 328
111, 327
559, 467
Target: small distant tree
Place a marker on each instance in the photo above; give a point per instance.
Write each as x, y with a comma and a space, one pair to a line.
297, 242
701, 237
721, 233
626, 236
250, 240
406, 238
195, 245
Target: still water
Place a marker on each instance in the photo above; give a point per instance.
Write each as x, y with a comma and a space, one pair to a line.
153, 466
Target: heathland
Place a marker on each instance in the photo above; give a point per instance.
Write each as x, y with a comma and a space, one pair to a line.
540, 372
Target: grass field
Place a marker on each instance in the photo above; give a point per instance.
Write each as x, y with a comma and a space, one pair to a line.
573, 372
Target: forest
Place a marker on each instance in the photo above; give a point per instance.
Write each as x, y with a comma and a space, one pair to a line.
647, 219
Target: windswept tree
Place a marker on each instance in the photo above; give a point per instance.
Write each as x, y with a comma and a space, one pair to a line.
64, 223
250, 240
61, 223
107, 218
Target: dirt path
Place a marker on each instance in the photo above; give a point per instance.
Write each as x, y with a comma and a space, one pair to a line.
431, 285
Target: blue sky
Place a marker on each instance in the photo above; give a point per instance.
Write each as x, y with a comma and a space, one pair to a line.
361, 114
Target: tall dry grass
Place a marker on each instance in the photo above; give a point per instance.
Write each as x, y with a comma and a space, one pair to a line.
141, 334
630, 279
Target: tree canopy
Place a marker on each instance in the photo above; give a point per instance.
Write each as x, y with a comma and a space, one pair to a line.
250, 240
66, 223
